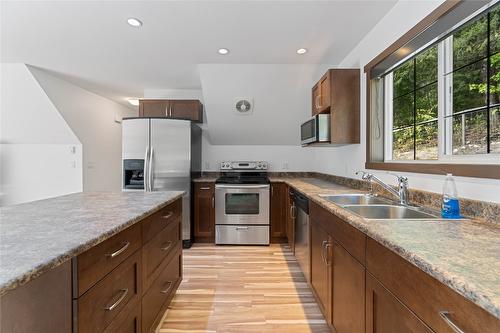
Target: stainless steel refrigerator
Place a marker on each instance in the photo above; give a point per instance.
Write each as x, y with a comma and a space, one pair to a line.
162, 155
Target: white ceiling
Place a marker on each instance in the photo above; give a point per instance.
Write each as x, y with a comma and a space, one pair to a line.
90, 44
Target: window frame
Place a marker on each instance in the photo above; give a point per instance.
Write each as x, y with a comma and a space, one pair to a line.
482, 166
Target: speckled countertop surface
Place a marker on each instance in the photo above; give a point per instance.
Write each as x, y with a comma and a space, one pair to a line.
40, 235
464, 255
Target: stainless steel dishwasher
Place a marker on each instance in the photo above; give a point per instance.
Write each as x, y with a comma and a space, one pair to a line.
302, 246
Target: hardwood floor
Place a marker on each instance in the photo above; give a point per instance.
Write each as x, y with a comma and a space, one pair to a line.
242, 289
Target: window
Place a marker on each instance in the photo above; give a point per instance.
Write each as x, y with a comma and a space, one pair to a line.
444, 101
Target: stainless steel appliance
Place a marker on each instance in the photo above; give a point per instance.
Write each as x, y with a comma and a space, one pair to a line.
302, 246
169, 152
242, 204
315, 130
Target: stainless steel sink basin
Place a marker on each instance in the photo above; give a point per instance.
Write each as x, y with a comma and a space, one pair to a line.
355, 199
390, 212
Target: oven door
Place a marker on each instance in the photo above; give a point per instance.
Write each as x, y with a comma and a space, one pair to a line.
241, 204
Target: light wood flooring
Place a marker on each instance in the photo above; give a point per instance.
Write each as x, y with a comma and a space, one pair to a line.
243, 289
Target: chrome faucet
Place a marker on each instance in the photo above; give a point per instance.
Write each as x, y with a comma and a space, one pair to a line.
401, 193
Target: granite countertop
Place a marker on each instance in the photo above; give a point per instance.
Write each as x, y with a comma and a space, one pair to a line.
464, 255
40, 235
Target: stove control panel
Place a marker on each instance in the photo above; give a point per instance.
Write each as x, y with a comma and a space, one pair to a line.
243, 165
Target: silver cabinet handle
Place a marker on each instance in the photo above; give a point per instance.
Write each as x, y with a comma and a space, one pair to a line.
118, 301
170, 284
327, 254
169, 215
445, 315
165, 248
204, 188
119, 251
323, 245
213, 201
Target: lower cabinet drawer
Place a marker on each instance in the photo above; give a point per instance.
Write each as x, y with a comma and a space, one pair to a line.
98, 307
157, 250
154, 223
155, 300
127, 321
242, 234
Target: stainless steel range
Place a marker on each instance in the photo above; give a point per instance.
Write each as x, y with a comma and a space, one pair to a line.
242, 204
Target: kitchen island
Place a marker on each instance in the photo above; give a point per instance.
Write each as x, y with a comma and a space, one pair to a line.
72, 253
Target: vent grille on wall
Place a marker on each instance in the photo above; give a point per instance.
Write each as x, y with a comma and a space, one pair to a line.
243, 106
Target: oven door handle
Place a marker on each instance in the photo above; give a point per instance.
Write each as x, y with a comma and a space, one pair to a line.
242, 186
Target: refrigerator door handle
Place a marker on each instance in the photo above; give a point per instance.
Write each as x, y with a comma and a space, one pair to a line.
151, 169
146, 173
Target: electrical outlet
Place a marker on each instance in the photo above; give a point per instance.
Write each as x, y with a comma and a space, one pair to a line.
285, 165
72, 150
207, 165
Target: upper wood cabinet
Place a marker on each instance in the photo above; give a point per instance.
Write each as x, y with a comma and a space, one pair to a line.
204, 212
337, 93
172, 108
278, 213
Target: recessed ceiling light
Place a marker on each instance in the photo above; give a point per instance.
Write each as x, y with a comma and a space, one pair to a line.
133, 101
223, 51
132, 21
301, 51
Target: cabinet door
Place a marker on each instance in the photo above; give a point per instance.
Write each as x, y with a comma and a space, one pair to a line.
316, 92
348, 292
186, 109
321, 270
325, 91
278, 213
153, 108
204, 212
385, 313
290, 219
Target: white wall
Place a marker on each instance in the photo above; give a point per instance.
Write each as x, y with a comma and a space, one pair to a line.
280, 158
40, 156
96, 122
346, 160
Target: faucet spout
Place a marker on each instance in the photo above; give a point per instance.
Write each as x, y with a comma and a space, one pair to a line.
401, 193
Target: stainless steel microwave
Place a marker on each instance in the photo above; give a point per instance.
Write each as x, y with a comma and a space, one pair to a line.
315, 130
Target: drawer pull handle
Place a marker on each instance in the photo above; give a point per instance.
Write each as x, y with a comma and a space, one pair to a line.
241, 228
119, 251
205, 188
445, 315
166, 291
118, 301
165, 248
169, 215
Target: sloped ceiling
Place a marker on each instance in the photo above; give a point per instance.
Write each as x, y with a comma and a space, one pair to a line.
281, 102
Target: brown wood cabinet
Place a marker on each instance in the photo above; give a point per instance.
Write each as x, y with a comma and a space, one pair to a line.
374, 289
125, 283
348, 292
385, 313
290, 219
321, 269
172, 108
278, 212
337, 93
42, 305
204, 212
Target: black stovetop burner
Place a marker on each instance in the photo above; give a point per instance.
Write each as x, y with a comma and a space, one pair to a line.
243, 178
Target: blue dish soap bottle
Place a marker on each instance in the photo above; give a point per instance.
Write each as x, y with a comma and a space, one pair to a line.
451, 206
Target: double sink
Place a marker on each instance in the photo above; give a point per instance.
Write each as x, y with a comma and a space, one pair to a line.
376, 208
